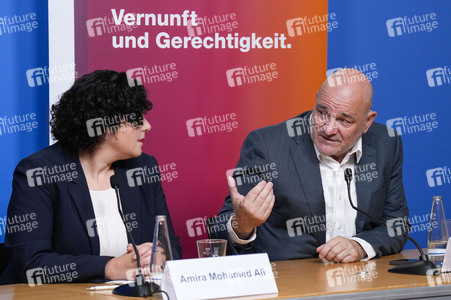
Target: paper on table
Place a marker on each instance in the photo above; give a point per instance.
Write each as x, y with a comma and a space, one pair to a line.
119, 281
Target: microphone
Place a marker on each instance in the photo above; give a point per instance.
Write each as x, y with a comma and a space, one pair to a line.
140, 288
422, 267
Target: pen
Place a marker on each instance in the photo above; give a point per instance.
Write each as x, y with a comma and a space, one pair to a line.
102, 287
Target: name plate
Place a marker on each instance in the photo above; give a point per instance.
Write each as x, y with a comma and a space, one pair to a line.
219, 277
446, 267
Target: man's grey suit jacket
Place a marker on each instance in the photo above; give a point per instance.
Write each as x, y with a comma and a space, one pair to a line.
299, 193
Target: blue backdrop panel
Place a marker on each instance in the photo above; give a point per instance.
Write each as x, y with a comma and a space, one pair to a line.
24, 89
404, 45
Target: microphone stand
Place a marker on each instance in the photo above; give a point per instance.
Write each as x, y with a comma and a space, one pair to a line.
422, 267
139, 288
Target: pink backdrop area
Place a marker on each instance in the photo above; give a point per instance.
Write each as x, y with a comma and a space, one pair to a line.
202, 89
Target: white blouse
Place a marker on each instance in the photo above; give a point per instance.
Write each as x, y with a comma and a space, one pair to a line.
108, 226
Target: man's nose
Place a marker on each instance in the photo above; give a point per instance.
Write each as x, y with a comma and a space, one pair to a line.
330, 127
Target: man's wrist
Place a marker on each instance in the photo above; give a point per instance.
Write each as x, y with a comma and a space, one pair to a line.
242, 233
235, 238
369, 250
360, 250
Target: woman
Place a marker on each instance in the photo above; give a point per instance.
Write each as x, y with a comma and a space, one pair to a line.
64, 190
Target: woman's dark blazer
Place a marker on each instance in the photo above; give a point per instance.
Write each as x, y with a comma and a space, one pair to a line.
51, 196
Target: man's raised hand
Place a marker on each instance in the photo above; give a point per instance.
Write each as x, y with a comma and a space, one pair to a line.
252, 210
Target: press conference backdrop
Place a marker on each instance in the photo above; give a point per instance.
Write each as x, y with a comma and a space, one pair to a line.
207, 100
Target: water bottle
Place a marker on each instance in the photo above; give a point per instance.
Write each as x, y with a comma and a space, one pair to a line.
161, 250
437, 232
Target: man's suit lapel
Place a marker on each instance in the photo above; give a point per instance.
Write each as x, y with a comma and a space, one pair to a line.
364, 188
309, 176
79, 192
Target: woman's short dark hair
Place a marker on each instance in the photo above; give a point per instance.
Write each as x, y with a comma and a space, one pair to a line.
98, 100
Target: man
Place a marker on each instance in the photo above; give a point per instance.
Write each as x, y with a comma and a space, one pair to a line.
300, 207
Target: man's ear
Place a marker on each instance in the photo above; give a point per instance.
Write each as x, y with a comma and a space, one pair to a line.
369, 120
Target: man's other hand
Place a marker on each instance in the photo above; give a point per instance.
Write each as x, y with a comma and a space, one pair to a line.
341, 249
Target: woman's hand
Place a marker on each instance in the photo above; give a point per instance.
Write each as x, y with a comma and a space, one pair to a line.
125, 266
